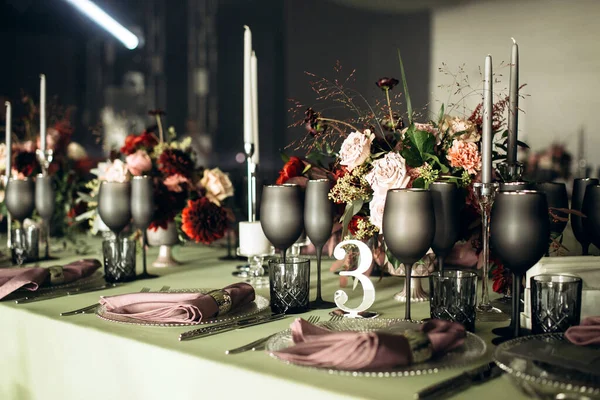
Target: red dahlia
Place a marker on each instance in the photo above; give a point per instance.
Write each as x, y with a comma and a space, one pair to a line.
291, 169
175, 161
145, 140
167, 205
204, 221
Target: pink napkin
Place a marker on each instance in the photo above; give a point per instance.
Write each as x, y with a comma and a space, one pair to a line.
585, 334
319, 347
174, 307
32, 278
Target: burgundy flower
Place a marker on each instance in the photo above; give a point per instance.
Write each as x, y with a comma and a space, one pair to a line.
353, 224
387, 83
167, 205
26, 163
174, 162
312, 123
291, 169
203, 221
145, 140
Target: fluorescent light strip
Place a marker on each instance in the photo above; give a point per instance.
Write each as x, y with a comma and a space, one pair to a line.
99, 16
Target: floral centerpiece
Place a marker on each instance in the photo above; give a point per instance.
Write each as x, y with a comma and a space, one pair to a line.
191, 196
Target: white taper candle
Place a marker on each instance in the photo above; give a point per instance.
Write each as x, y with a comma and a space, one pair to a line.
43, 112
486, 140
255, 138
247, 85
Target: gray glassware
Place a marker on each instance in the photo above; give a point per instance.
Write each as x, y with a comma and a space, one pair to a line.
579, 187
408, 228
282, 214
20, 198
114, 205
512, 186
591, 208
142, 211
519, 232
318, 222
45, 201
446, 206
557, 197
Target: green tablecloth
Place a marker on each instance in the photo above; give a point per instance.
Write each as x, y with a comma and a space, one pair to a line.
45, 356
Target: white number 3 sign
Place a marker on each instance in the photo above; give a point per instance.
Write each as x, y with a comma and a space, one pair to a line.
365, 260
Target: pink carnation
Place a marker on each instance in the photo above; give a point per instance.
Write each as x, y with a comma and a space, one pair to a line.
173, 182
464, 155
356, 149
138, 162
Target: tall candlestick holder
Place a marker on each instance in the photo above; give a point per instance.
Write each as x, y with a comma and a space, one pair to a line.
486, 193
511, 172
251, 176
8, 218
45, 158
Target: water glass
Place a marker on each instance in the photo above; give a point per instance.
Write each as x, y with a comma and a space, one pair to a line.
25, 244
453, 296
289, 282
119, 260
555, 302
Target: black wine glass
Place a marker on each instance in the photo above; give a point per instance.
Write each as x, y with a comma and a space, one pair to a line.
142, 211
591, 208
512, 186
408, 228
282, 215
45, 202
114, 205
318, 222
20, 203
519, 231
579, 187
557, 197
446, 205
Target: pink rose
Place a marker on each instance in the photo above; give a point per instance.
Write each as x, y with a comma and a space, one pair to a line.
217, 184
173, 182
3, 156
356, 148
138, 162
116, 171
460, 129
464, 155
376, 207
388, 172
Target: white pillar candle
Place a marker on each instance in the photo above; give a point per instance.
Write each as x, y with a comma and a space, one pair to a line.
8, 128
486, 140
254, 84
253, 240
513, 107
247, 85
43, 112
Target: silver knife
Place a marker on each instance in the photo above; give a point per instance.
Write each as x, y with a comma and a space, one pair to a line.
63, 294
210, 331
460, 382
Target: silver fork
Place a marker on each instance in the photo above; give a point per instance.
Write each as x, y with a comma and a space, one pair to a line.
336, 317
260, 343
92, 307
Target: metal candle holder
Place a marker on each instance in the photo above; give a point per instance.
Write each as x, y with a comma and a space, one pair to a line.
486, 193
8, 217
249, 150
511, 172
45, 158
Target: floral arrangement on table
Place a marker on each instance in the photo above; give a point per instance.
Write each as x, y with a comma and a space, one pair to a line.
191, 196
378, 151
70, 166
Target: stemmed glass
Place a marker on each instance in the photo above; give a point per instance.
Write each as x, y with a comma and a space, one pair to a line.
591, 208
579, 187
281, 215
20, 203
408, 228
318, 222
519, 236
142, 211
446, 207
557, 197
44, 204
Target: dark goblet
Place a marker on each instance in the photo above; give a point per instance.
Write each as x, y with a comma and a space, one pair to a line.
519, 232
142, 211
446, 206
114, 205
579, 187
44, 204
591, 208
318, 221
557, 197
20, 203
282, 215
408, 228
512, 186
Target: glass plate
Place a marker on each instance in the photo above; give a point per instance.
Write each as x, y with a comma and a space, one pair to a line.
550, 364
258, 305
472, 349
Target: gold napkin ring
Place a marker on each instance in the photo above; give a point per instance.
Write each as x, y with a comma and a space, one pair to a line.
420, 346
56, 274
223, 300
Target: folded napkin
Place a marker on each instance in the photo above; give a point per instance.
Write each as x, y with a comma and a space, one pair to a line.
174, 307
585, 334
32, 278
348, 350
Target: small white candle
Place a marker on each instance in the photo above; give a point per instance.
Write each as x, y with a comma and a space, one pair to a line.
513, 107
253, 240
43, 112
254, 69
8, 128
486, 140
247, 85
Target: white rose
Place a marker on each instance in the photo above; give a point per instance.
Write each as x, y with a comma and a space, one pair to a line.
388, 172
376, 207
217, 184
356, 148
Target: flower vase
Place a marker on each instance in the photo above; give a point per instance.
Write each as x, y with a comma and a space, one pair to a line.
165, 239
417, 293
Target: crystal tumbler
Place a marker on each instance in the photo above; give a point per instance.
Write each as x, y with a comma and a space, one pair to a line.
25, 244
119, 260
453, 297
555, 302
289, 285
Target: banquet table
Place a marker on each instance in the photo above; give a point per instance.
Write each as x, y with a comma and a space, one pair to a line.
45, 356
